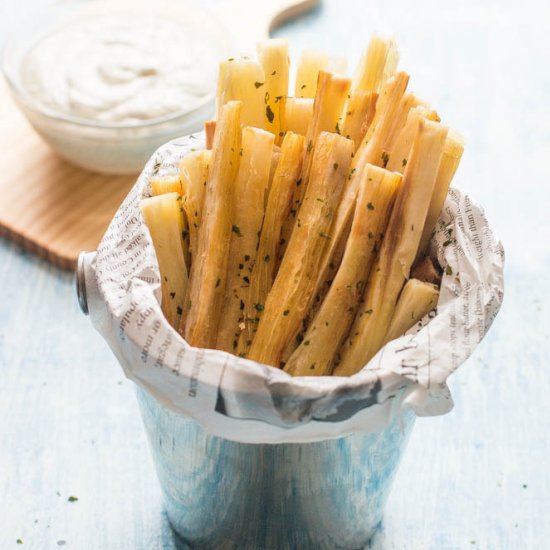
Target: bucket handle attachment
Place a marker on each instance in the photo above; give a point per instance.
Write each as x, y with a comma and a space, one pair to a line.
82, 265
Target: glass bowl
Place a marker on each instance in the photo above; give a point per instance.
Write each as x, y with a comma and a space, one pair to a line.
114, 148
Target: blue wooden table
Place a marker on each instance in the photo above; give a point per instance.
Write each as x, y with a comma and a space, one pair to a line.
476, 478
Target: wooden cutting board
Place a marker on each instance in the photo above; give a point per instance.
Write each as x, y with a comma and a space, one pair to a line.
55, 209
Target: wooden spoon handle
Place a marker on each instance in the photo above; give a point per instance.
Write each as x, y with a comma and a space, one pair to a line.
250, 21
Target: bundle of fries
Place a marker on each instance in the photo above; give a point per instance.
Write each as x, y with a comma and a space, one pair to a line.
298, 237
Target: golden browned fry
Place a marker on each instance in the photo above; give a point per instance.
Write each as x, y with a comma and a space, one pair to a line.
408, 101
209, 131
243, 80
452, 153
193, 174
278, 205
315, 354
275, 156
273, 55
296, 114
360, 112
370, 152
209, 268
332, 91
426, 271
399, 151
417, 299
328, 107
397, 252
248, 213
290, 297
377, 64
163, 216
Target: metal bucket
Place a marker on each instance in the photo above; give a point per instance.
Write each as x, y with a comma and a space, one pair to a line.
222, 494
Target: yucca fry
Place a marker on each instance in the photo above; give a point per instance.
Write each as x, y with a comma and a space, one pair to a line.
377, 64
426, 271
193, 174
309, 64
273, 55
296, 113
163, 216
399, 151
370, 152
371, 149
275, 156
397, 252
243, 80
209, 267
248, 212
291, 294
360, 111
277, 209
417, 299
408, 101
452, 153
315, 354
209, 130
161, 185
328, 106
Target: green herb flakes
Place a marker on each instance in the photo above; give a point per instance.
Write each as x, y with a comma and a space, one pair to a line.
269, 114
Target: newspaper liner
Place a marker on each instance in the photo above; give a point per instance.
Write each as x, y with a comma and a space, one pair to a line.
245, 401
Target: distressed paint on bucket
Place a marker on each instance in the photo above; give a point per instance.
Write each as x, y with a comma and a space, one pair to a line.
227, 495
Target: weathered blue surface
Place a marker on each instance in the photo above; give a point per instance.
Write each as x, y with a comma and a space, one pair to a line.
476, 478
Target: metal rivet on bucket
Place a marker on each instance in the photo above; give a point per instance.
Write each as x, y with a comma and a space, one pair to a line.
81, 284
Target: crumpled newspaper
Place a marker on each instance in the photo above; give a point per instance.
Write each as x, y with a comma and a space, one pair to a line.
245, 401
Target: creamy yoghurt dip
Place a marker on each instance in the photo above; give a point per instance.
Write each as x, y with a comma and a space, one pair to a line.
120, 69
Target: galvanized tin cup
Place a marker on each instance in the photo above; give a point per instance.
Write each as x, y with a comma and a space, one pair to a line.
226, 495
222, 494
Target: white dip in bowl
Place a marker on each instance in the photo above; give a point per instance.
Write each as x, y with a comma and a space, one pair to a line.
106, 85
